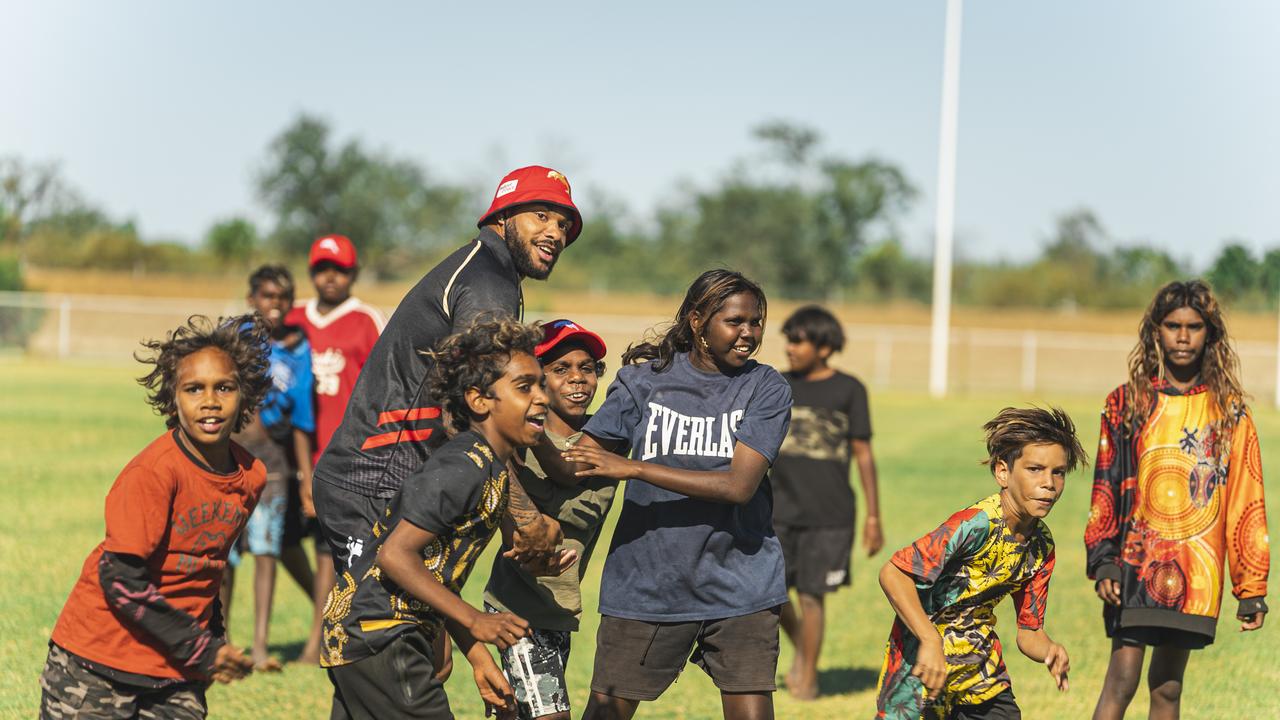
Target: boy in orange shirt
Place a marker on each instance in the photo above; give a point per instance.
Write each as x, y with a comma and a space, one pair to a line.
140, 634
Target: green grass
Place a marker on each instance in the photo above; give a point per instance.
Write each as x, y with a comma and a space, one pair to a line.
69, 428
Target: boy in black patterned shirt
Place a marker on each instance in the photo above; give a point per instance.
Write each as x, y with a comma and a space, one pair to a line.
386, 611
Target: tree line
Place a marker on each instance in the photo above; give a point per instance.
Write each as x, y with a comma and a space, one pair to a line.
807, 223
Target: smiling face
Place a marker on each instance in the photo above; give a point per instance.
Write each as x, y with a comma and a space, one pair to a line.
514, 408
1036, 480
536, 235
732, 334
272, 301
571, 381
1183, 333
208, 401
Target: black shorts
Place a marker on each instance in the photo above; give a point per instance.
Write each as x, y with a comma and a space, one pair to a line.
1000, 707
1159, 637
817, 557
398, 682
638, 660
345, 520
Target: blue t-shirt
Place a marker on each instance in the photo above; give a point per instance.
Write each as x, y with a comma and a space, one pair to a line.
289, 400
674, 558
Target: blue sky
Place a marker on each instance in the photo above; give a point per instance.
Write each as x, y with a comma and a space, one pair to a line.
1164, 117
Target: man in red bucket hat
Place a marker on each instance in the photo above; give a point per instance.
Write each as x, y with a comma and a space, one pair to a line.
392, 424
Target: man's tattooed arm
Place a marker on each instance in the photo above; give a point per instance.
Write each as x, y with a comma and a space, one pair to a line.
533, 534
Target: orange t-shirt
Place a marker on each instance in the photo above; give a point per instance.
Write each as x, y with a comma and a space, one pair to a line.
182, 518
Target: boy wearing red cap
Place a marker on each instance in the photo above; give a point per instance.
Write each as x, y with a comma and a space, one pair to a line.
342, 331
393, 422
572, 363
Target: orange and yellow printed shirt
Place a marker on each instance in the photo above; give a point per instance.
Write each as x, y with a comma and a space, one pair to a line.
1171, 503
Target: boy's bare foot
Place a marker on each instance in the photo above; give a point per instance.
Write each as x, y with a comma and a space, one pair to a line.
269, 665
309, 656
800, 687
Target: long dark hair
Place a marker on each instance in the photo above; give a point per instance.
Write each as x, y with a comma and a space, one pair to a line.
708, 293
1219, 364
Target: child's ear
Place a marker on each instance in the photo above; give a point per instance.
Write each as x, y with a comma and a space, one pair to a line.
477, 401
825, 353
1001, 471
695, 321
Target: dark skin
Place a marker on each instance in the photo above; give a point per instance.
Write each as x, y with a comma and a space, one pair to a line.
509, 414
208, 400
724, 342
1183, 336
536, 233
333, 284
805, 628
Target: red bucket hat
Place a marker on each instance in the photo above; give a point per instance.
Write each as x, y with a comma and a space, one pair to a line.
534, 184
558, 331
337, 249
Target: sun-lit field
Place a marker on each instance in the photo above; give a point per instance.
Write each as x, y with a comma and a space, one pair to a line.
69, 428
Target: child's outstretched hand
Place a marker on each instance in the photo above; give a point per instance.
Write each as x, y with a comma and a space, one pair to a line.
931, 666
502, 629
1251, 622
1059, 664
601, 463
230, 663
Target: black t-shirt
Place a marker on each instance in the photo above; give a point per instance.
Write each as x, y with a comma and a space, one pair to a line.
459, 495
811, 476
391, 423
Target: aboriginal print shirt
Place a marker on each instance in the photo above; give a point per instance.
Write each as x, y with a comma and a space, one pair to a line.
1173, 501
459, 495
962, 570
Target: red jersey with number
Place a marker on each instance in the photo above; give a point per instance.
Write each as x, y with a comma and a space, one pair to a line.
341, 341
181, 517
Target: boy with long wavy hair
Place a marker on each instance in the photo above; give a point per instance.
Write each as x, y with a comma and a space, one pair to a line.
1177, 490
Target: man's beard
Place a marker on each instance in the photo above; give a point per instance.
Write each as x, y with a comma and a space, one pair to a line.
522, 253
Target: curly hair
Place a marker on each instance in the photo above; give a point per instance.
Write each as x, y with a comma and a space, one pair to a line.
1012, 429
242, 338
476, 358
708, 293
1219, 364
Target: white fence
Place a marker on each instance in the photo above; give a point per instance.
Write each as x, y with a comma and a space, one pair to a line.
1026, 362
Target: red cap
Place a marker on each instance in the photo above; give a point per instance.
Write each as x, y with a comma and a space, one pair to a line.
558, 331
534, 184
336, 249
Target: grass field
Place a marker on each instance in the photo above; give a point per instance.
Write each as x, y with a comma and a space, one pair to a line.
69, 428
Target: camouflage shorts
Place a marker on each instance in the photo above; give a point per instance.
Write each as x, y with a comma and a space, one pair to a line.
535, 666
69, 690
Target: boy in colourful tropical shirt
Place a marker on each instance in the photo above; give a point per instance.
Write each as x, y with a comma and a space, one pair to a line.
943, 658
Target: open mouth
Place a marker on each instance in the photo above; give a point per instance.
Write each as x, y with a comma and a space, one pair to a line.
211, 425
743, 348
578, 398
537, 422
545, 251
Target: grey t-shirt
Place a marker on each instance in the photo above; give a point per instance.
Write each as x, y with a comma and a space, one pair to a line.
674, 558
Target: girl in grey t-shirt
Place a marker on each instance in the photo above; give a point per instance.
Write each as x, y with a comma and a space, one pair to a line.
694, 564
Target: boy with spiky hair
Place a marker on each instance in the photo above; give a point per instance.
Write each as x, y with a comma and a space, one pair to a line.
943, 658
141, 633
